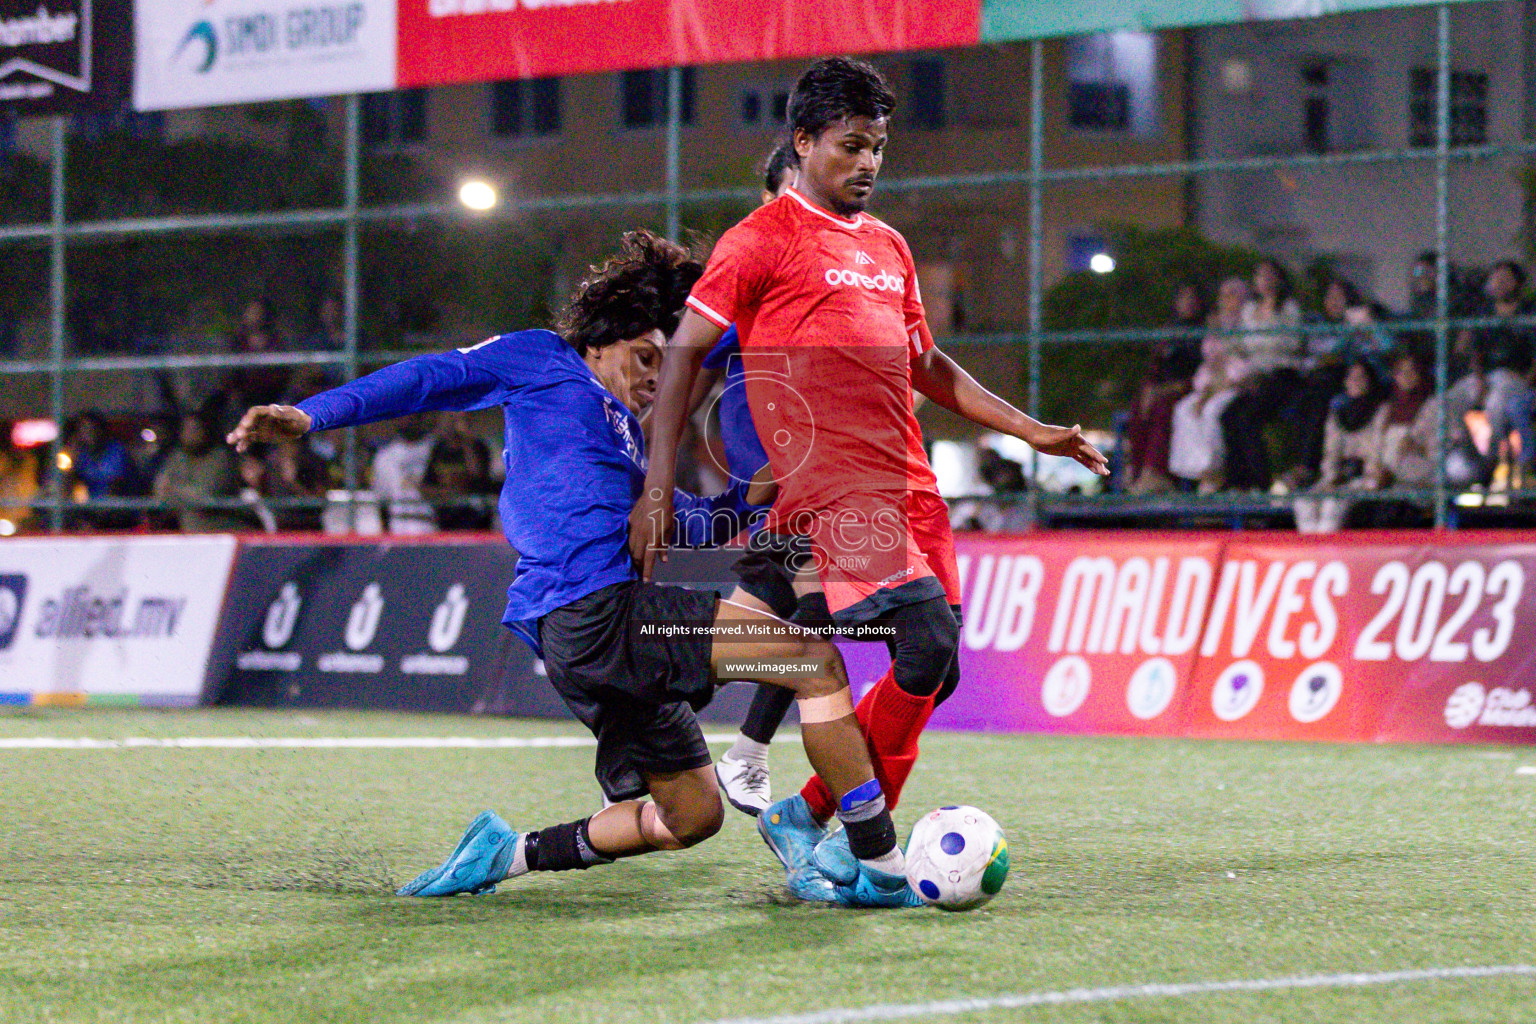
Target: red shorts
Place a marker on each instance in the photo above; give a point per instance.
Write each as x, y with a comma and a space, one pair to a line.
873, 556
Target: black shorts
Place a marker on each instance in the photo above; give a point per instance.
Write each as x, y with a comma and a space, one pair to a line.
768, 570
636, 691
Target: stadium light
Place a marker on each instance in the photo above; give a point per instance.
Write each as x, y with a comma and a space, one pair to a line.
7, 528
477, 195
1102, 263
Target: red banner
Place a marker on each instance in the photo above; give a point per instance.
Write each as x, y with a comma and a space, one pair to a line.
1363, 637
446, 41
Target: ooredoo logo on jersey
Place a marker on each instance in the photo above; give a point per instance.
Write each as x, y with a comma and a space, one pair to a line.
884, 281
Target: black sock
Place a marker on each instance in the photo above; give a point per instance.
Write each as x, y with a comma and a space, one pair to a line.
562, 848
769, 706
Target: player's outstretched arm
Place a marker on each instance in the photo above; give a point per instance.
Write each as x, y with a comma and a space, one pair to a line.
269, 423
650, 523
944, 381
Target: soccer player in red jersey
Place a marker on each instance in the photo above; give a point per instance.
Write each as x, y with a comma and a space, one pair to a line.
833, 333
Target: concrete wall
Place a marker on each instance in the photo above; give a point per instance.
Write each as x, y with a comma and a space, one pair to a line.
1374, 219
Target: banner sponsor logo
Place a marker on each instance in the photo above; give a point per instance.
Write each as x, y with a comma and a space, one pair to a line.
1237, 691
276, 630
414, 626
1502, 707
201, 52
45, 48
1316, 691
130, 616
1151, 689
13, 593
443, 633
1066, 686
79, 614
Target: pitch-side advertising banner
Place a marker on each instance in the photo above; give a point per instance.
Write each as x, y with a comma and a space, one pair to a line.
62, 56
103, 616
409, 626
1366, 637
445, 41
194, 53
1411, 637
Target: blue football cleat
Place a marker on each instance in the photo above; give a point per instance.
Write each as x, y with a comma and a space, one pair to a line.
792, 832
481, 859
877, 889
834, 858
810, 886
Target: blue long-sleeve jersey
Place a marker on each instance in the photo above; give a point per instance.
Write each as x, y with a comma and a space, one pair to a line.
575, 459
744, 452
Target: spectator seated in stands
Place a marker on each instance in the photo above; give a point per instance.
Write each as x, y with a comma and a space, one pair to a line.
200, 468
1267, 354
1347, 329
399, 467
1500, 361
1407, 438
19, 483
1196, 451
1174, 362
1349, 439
458, 467
276, 473
96, 465
245, 386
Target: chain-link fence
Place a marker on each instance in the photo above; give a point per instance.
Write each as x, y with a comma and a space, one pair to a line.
173, 267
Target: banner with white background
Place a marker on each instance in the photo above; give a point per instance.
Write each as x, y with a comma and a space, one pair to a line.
196, 53
121, 616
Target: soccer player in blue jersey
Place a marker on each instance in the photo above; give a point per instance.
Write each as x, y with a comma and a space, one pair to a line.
633, 660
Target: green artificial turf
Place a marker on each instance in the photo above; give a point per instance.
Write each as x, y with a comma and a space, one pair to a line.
256, 885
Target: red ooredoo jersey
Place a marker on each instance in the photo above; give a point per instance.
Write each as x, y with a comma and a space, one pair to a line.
830, 317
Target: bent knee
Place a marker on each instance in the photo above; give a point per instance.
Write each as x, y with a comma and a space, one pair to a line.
697, 823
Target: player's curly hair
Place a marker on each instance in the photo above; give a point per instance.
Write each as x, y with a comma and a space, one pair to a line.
783, 158
640, 288
835, 88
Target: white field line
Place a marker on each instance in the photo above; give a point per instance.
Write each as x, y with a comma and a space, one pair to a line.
951, 1007
311, 742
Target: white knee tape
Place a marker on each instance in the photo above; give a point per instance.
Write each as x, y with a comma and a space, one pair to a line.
814, 710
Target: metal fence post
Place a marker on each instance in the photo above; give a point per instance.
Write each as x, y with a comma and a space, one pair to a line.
1036, 272
56, 296
674, 145
1442, 239
351, 173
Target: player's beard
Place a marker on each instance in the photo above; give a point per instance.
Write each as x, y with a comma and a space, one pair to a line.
849, 201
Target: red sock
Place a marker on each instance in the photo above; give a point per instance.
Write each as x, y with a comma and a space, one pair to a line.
891, 720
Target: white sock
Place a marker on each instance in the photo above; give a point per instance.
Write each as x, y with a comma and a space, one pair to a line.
748, 750
893, 863
519, 864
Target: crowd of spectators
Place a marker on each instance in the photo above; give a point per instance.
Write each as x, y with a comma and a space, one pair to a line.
425, 473
1252, 389
1254, 392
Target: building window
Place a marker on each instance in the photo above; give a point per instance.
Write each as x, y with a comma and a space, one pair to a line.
1469, 108
1314, 105
764, 106
1112, 82
525, 108
643, 98
925, 104
395, 118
